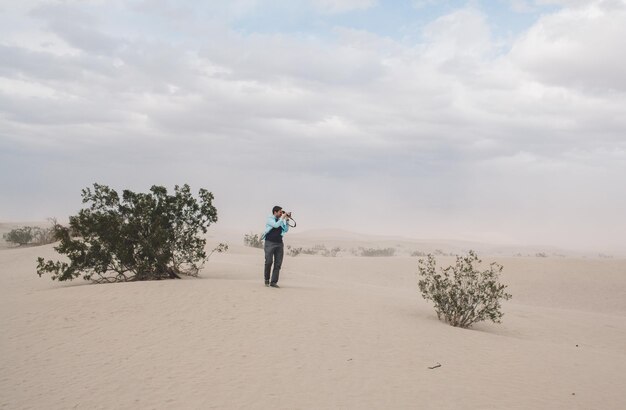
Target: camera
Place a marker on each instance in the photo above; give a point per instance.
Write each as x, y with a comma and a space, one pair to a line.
290, 221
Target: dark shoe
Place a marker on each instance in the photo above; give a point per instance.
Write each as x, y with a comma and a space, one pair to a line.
267, 283
274, 285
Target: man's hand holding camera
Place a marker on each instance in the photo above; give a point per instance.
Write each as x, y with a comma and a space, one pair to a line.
285, 215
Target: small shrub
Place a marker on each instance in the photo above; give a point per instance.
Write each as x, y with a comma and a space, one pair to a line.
418, 253
332, 252
309, 251
377, 252
316, 250
33, 235
541, 255
463, 295
20, 236
293, 251
253, 241
45, 236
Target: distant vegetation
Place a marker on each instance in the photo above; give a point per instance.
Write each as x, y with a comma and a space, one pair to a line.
253, 241
138, 236
316, 250
32, 235
376, 251
462, 294
20, 236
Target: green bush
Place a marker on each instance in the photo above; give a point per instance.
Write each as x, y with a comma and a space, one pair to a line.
32, 235
140, 236
253, 241
463, 295
20, 236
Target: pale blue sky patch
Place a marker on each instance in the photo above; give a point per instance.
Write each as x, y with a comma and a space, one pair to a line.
399, 20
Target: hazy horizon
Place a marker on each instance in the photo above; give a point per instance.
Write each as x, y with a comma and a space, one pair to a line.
502, 122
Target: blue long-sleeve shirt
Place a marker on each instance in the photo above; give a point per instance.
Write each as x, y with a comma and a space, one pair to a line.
272, 223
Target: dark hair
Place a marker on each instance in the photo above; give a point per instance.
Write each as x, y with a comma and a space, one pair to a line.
276, 208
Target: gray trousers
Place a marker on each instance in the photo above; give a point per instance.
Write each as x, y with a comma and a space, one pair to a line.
274, 252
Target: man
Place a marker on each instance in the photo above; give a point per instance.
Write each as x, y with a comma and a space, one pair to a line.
275, 228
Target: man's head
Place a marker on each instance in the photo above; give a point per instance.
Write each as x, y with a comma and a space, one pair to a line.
277, 211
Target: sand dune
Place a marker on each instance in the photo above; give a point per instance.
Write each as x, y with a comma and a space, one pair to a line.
345, 332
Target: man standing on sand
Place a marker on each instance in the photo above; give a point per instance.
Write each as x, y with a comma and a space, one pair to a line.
275, 228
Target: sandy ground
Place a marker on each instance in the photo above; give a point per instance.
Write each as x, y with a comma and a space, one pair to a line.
346, 332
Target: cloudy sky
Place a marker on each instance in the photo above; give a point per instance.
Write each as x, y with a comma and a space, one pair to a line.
500, 120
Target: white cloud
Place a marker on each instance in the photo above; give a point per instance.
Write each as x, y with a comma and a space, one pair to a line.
578, 48
449, 132
460, 35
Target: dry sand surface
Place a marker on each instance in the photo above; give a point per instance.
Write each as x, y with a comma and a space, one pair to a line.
346, 332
